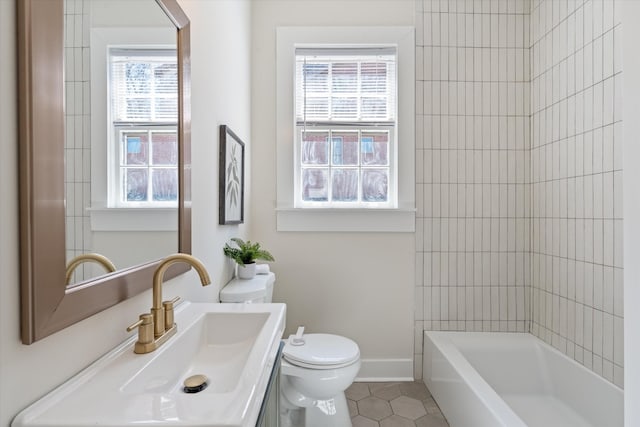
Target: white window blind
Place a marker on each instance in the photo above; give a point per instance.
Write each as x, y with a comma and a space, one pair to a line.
352, 85
144, 85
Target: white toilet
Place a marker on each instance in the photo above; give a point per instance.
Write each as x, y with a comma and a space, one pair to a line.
316, 368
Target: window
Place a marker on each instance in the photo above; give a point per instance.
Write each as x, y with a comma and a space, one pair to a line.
345, 127
345, 102
144, 114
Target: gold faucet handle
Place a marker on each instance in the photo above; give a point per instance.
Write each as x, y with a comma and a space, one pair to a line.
170, 303
135, 325
145, 328
168, 312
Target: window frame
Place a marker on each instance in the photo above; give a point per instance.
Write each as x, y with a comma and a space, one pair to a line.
388, 123
400, 217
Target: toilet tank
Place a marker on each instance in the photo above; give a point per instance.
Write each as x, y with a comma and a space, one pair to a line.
256, 290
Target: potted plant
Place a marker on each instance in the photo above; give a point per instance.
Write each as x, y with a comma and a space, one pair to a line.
245, 255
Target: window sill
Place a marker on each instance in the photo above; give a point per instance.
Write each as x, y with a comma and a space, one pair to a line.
347, 220
134, 219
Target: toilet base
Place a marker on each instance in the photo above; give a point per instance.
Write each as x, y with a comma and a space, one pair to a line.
333, 412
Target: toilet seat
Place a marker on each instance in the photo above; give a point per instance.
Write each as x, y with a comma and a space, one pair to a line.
322, 351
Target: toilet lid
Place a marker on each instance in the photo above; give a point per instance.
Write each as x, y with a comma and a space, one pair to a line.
322, 351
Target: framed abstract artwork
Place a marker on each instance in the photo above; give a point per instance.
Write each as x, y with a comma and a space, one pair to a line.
231, 187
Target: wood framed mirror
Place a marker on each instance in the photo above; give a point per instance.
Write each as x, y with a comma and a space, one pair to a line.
47, 303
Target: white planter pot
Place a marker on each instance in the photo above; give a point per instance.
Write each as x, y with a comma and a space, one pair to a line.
247, 271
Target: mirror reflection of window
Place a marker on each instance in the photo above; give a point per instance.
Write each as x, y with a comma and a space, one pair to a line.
143, 93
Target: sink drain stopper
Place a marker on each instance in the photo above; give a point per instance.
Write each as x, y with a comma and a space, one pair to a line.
195, 383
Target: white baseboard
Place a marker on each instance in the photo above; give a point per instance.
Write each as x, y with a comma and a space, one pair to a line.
378, 370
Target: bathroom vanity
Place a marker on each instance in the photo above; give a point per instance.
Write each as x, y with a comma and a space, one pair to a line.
236, 346
270, 411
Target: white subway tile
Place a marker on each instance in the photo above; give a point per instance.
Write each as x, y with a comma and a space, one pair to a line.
588, 65
618, 375
617, 49
598, 284
588, 21
618, 292
598, 105
617, 146
608, 291
617, 194
580, 24
618, 98
597, 17
588, 329
618, 233
618, 341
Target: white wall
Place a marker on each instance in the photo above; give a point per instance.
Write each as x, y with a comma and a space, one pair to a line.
355, 284
127, 248
220, 94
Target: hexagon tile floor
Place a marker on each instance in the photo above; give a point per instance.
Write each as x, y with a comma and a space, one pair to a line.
402, 404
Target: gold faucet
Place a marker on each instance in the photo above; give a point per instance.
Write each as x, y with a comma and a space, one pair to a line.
155, 328
97, 258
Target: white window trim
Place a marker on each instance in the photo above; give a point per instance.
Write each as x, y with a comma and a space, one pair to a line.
290, 218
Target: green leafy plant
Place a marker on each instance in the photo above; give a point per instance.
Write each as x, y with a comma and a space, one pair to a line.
246, 252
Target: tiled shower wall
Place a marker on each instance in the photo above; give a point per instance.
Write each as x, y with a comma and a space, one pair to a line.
473, 158
519, 184
576, 180
77, 133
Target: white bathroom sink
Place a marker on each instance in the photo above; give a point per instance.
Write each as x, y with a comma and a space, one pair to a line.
234, 345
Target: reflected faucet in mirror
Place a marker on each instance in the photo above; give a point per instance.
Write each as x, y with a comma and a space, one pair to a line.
155, 328
97, 258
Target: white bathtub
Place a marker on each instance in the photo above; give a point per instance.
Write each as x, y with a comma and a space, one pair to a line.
482, 379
